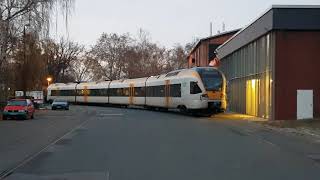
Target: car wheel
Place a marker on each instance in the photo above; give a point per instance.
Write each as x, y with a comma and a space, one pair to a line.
32, 116
53, 108
4, 117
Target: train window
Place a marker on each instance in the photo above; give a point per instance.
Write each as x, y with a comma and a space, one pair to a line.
160, 91
78, 92
126, 91
83, 92
139, 91
155, 91
104, 92
94, 92
194, 88
211, 78
150, 91
172, 74
67, 93
112, 92
98, 92
55, 92
62, 92
119, 92
175, 90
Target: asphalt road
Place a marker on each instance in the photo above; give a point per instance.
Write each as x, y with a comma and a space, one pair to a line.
122, 144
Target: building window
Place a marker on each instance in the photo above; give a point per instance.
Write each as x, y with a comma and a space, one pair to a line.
211, 54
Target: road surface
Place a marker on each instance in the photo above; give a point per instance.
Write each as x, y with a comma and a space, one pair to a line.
121, 144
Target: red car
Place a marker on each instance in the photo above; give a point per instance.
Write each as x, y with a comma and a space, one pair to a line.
19, 108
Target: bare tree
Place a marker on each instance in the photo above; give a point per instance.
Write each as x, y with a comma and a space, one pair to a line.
110, 53
81, 68
29, 65
60, 57
15, 15
177, 58
18, 15
123, 56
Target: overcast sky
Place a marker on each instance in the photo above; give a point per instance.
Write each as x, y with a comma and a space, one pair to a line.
168, 21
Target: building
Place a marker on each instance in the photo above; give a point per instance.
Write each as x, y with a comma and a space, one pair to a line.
272, 65
203, 52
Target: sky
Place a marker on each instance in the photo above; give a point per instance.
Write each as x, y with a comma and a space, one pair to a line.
169, 22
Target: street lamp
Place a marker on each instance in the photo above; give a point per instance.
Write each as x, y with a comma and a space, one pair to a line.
24, 57
49, 79
75, 91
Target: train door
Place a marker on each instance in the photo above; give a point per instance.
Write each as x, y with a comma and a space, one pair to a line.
131, 94
167, 93
86, 93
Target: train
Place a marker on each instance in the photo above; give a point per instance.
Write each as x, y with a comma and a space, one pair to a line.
199, 91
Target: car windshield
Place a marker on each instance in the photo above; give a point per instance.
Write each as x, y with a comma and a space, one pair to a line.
17, 103
211, 78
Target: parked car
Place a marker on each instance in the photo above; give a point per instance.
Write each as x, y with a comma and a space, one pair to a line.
60, 104
19, 108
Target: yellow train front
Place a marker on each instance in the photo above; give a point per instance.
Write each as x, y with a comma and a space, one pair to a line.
215, 85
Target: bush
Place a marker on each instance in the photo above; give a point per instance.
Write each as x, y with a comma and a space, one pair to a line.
2, 105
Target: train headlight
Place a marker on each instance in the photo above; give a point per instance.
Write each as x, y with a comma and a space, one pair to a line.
204, 97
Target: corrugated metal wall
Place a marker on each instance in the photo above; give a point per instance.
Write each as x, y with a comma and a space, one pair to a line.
249, 72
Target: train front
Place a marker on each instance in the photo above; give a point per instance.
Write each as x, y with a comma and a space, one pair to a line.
214, 83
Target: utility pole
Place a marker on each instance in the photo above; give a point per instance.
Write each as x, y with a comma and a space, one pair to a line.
210, 28
24, 60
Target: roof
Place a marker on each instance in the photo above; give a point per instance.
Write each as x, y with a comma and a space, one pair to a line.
277, 17
213, 37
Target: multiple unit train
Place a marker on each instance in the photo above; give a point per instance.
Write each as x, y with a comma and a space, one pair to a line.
200, 90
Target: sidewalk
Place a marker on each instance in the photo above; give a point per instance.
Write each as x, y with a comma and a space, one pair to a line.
301, 138
310, 128
237, 116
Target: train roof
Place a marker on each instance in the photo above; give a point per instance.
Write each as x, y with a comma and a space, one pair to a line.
62, 85
170, 75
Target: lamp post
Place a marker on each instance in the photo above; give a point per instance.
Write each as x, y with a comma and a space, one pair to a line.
75, 92
24, 58
49, 79
24, 41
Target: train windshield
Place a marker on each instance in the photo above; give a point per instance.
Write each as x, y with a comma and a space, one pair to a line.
211, 78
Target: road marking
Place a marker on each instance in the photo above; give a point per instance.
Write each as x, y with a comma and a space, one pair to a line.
111, 114
268, 142
9, 171
108, 175
315, 157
